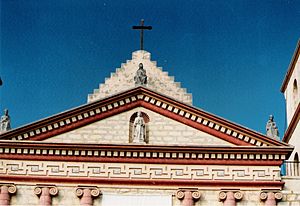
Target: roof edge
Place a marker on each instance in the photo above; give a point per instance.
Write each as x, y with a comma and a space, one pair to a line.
291, 67
292, 126
137, 91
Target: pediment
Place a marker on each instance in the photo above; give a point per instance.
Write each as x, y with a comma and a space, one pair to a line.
199, 126
159, 130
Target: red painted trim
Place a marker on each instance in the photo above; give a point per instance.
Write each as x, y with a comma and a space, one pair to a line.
85, 121
149, 148
142, 160
216, 119
131, 182
118, 97
291, 68
195, 125
292, 126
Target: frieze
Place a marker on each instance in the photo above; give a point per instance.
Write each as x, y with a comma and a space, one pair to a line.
139, 171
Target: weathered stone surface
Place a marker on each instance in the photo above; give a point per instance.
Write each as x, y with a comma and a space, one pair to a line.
157, 80
162, 130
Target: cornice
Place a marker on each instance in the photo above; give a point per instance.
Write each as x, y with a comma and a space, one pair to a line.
292, 126
291, 68
148, 183
140, 97
175, 154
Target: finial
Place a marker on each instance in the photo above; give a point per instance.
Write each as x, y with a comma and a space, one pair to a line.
142, 28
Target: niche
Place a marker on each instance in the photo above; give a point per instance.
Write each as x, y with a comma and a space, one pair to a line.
132, 120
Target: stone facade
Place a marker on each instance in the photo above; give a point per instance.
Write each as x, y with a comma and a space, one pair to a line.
158, 80
189, 157
116, 130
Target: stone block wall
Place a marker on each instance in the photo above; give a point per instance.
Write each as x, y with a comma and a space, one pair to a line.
158, 80
115, 130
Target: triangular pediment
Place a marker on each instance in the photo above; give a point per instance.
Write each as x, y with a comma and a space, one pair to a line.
198, 126
118, 129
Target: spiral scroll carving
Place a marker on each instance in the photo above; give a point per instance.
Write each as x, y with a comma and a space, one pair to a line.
238, 195
53, 191
37, 191
222, 196
196, 195
278, 196
79, 192
95, 192
180, 194
263, 196
12, 189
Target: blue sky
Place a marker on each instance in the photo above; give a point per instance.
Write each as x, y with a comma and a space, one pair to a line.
231, 55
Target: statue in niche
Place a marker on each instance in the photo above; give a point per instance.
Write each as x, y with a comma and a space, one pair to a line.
271, 128
140, 77
5, 122
139, 130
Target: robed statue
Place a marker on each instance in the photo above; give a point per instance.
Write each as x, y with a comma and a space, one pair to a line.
140, 77
5, 122
139, 130
271, 128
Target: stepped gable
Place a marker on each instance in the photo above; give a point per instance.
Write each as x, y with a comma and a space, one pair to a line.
157, 80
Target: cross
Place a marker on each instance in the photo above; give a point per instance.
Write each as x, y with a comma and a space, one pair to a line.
142, 28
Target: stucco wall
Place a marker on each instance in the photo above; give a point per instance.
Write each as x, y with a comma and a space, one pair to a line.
294, 140
291, 104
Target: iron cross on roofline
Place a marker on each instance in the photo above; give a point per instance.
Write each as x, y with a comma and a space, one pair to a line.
142, 28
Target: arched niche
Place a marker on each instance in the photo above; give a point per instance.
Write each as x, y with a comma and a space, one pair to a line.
131, 121
295, 93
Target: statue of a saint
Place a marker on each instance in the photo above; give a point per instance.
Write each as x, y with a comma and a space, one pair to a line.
5, 122
140, 77
271, 128
139, 130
